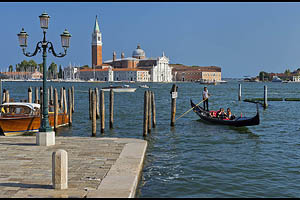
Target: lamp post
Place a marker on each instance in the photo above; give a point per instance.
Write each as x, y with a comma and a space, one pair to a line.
43, 45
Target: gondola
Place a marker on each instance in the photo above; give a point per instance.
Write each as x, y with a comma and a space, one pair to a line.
238, 121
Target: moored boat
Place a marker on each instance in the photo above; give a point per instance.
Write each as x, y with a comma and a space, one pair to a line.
17, 118
238, 121
119, 89
208, 82
276, 79
144, 86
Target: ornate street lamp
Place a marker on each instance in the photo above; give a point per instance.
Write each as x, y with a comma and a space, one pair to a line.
43, 45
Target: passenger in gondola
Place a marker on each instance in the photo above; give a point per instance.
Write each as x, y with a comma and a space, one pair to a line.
221, 114
230, 116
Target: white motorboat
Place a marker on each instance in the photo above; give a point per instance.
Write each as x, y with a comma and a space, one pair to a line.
119, 89
144, 86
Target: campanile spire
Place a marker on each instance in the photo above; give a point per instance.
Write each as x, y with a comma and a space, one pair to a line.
96, 45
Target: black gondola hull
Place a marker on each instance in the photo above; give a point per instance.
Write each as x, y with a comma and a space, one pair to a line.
239, 121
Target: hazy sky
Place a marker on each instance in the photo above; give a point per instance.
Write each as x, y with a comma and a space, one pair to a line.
242, 38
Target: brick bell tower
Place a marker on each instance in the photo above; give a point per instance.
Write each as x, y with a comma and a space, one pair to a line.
96, 45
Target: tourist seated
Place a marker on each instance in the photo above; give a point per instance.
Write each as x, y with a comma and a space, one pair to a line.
221, 114
230, 116
213, 113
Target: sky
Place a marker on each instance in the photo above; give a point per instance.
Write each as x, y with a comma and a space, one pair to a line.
242, 38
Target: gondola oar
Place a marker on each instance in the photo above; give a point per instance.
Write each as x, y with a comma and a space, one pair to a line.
191, 109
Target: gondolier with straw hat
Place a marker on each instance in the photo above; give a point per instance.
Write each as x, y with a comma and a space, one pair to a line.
205, 96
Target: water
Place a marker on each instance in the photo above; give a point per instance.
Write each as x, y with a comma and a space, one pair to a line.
196, 159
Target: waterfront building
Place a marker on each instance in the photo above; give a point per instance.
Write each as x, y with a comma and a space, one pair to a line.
23, 75
71, 73
196, 73
136, 75
36, 75
158, 68
89, 74
296, 78
110, 74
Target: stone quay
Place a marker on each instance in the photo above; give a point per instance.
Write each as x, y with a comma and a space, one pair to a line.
97, 167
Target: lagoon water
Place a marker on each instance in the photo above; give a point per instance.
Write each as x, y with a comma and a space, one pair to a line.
196, 159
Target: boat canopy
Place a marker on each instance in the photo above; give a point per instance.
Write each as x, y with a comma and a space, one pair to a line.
32, 106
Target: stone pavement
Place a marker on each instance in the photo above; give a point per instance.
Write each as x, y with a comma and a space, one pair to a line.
97, 167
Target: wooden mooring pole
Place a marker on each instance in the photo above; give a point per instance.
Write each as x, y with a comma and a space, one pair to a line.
51, 95
55, 109
4, 96
73, 105
65, 101
240, 92
173, 103
70, 105
90, 103
29, 95
145, 127
61, 102
111, 109
265, 97
97, 103
94, 110
149, 111
36, 99
1, 97
7, 99
153, 110
102, 108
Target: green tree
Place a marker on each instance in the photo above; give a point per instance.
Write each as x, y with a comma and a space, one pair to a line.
10, 68
287, 72
32, 65
40, 67
52, 70
60, 73
263, 75
84, 66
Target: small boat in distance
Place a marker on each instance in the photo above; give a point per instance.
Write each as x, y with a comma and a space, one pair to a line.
221, 81
208, 82
124, 88
17, 118
144, 86
276, 79
238, 121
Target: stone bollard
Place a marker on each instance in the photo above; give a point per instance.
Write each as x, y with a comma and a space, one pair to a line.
45, 138
60, 169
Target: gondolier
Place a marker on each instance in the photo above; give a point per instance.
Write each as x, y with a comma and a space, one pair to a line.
205, 96
209, 116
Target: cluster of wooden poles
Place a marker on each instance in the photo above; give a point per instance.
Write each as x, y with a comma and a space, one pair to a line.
97, 110
149, 112
94, 111
67, 106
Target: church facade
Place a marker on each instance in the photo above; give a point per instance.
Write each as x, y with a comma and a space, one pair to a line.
158, 68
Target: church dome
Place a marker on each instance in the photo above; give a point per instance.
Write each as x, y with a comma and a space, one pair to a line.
138, 53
